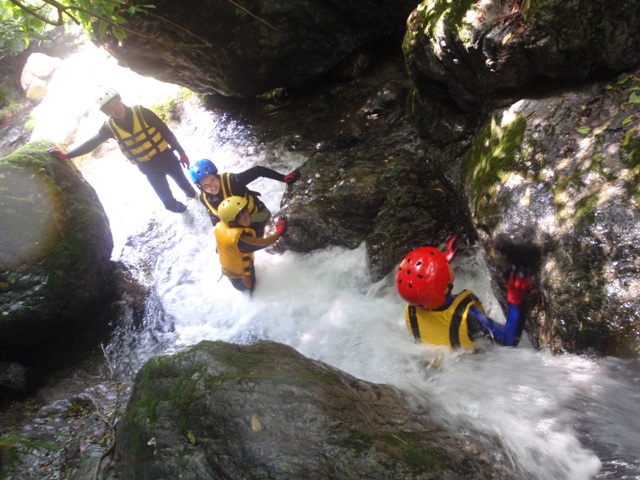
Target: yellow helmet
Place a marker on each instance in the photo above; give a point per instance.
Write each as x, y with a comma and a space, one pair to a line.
230, 208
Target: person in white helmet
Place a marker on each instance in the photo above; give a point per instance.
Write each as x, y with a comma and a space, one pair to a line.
146, 141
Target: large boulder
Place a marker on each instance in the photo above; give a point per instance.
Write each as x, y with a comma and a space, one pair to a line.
218, 46
56, 245
554, 181
36, 75
466, 56
366, 178
264, 411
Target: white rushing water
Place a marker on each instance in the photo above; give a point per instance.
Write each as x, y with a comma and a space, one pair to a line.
558, 417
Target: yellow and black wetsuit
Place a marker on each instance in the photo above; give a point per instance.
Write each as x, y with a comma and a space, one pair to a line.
236, 247
148, 143
141, 141
447, 326
235, 184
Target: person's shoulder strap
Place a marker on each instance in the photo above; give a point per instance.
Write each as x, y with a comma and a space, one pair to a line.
463, 300
413, 321
225, 182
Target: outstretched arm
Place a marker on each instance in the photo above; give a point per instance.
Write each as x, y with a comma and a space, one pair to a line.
256, 172
248, 176
507, 334
249, 243
90, 145
518, 285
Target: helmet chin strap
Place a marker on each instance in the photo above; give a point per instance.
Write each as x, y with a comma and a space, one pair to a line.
449, 253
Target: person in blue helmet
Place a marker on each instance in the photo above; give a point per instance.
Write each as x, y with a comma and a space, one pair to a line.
216, 187
146, 141
434, 315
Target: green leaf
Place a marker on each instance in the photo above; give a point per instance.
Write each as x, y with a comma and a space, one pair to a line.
119, 33
627, 120
18, 45
192, 437
584, 130
102, 29
622, 79
627, 137
634, 98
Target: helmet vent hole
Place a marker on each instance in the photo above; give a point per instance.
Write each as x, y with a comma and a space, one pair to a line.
419, 263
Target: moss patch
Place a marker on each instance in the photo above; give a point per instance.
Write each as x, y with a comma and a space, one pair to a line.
170, 111
494, 155
437, 9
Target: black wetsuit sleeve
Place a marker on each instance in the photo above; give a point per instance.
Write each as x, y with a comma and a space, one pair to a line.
94, 142
248, 176
250, 244
154, 121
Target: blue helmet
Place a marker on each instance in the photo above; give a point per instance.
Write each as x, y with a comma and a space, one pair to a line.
201, 169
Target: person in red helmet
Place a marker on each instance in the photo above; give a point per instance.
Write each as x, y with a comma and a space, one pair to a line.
435, 316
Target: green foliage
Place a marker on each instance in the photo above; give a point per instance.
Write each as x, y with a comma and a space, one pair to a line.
9, 100
23, 21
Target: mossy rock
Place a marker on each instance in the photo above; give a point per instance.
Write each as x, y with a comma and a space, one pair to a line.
219, 410
55, 249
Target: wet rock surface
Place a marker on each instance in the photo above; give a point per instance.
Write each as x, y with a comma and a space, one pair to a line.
55, 264
263, 411
555, 182
217, 46
466, 58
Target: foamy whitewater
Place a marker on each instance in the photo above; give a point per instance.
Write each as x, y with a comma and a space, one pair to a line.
558, 417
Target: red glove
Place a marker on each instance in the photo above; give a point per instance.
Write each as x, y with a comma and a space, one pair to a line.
518, 285
59, 154
281, 226
449, 252
289, 178
184, 160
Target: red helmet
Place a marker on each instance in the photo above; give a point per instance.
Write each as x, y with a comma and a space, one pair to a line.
423, 278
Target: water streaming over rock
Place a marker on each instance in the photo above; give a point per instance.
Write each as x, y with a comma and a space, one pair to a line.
566, 417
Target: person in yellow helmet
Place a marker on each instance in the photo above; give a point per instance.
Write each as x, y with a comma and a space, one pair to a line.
146, 141
237, 242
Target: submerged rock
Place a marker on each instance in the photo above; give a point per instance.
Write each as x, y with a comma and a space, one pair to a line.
264, 411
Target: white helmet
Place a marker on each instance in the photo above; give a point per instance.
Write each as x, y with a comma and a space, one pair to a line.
105, 94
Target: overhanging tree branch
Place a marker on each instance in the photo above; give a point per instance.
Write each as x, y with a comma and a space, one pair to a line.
31, 11
111, 18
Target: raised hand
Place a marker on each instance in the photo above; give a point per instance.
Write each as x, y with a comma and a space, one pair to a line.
518, 285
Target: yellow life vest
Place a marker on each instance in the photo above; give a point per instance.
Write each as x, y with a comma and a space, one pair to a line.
143, 142
257, 215
444, 327
235, 264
